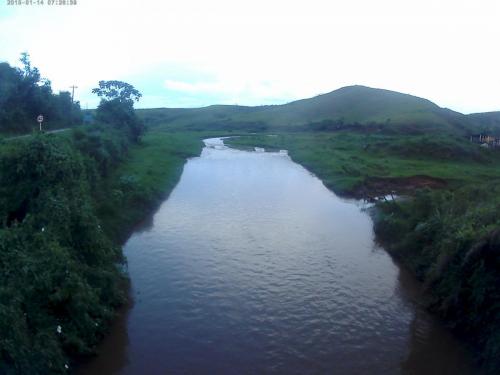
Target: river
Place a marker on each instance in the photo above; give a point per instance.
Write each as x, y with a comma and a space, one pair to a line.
252, 266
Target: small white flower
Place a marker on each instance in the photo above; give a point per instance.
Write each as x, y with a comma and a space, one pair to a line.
59, 329
66, 366
43, 229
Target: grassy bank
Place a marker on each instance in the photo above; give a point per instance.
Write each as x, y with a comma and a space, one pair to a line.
364, 165
147, 175
451, 241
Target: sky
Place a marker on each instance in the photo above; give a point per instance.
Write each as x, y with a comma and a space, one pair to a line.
188, 53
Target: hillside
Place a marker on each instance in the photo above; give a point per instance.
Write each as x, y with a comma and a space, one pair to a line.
347, 106
488, 122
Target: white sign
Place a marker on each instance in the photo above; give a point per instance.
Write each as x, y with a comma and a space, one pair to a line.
39, 119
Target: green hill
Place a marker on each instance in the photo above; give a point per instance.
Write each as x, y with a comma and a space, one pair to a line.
488, 122
347, 106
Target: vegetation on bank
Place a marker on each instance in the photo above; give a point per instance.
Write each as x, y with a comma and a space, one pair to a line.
451, 241
66, 201
59, 280
142, 181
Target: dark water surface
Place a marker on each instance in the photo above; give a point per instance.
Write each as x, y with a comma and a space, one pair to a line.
252, 266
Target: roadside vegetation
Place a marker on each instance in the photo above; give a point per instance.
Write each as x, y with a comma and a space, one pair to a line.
67, 202
24, 94
59, 282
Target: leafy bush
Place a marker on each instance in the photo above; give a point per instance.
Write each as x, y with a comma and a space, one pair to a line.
451, 240
59, 280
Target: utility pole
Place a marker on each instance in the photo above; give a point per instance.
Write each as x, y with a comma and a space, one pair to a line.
73, 92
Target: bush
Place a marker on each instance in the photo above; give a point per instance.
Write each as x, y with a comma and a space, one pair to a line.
59, 280
451, 240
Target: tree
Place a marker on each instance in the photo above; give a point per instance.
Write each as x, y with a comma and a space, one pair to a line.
117, 106
117, 90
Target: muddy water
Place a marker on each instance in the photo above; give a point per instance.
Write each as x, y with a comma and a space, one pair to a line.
252, 266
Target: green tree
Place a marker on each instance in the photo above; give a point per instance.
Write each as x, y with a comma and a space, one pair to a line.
117, 106
117, 90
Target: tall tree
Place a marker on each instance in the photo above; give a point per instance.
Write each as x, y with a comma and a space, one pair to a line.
117, 106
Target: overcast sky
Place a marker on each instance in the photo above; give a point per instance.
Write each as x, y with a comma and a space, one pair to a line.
189, 53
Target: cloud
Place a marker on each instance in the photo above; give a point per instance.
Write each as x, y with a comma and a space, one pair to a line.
200, 87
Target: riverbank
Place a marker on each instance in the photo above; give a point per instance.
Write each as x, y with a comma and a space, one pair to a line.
362, 166
450, 241
144, 179
59, 280
447, 234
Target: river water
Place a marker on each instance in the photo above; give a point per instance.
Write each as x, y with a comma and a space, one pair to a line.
252, 266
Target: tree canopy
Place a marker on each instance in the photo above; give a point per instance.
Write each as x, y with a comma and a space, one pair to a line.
117, 107
117, 90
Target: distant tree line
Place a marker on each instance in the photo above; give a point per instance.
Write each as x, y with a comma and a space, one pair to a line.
24, 94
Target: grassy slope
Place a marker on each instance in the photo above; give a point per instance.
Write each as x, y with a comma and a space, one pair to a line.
353, 104
488, 122
347, 161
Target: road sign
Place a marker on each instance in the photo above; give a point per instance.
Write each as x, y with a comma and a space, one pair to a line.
39, 119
